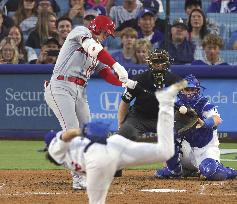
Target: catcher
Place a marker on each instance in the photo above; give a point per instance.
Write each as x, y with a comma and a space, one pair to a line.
196, 149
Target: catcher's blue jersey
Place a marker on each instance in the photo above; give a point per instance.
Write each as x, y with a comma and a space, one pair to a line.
202, 136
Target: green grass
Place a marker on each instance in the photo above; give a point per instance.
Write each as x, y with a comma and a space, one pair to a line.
25, 155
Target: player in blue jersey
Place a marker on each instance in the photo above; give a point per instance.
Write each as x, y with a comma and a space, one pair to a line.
197, 150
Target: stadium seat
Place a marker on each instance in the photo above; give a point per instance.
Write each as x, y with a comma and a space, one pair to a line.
206, 4
227, 23
229, 56
176, 15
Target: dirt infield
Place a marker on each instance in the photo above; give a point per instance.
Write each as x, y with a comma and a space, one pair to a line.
54, 186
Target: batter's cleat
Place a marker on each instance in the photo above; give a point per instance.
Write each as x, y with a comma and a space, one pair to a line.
169, 93
166, 173
79, 182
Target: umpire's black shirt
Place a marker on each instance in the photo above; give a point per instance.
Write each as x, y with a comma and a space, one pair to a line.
146, 104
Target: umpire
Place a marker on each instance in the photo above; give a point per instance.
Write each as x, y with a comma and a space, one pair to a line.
142, 115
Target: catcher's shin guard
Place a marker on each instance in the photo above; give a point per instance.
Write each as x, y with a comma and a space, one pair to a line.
215, 171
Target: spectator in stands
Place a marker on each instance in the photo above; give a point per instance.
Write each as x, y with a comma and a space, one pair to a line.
98, 5
97, 2
223, 6
155, 5
26, 54
179, 48
127, 11
9, 5
45, 28
49, 52
64, 27
146, 23
212, 44
76, 11
232, 44
112, 3
113, 43
212, 26
7, 21
197, 29
152, 6
9, 52
3, 29
47, 5
192, 4
26, 16
89, 15
126, 55
142, 48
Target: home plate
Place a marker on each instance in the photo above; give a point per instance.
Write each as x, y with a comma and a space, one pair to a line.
163, 190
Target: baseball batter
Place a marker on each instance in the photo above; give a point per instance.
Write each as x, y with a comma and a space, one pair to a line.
200, 151
80, 56
100, 161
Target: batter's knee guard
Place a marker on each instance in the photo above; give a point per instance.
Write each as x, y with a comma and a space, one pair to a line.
215, 171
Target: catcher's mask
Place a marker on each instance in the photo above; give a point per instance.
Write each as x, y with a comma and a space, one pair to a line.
159, 60
193, 90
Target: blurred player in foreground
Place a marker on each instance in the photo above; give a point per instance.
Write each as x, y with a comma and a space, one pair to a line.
88, 149
80, 56
196, 150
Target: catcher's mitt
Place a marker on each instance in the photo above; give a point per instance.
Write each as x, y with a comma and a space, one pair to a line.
185, 122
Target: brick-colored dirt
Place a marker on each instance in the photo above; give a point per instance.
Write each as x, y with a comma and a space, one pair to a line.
54, 186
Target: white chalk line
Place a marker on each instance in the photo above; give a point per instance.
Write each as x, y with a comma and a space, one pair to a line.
163, 190
32, 193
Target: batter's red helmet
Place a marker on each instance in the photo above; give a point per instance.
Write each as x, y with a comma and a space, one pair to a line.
102, 24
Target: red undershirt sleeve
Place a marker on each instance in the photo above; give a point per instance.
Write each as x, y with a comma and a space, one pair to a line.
109, 76
104, 57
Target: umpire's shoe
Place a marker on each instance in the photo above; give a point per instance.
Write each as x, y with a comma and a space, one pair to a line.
118, 173
166, 173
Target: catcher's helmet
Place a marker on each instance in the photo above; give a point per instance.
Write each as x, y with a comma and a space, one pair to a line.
160, 57
194, 86
102, 24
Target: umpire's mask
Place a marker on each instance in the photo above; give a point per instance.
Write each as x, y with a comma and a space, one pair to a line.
159, 62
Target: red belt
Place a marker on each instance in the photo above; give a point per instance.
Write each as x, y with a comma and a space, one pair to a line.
76, 80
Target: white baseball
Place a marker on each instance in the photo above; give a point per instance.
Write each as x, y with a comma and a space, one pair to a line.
183, 110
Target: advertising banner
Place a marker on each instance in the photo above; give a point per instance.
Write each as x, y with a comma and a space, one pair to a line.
22, 104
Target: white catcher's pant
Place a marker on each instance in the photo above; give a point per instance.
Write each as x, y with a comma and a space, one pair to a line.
68, 102
101, 161
193, 156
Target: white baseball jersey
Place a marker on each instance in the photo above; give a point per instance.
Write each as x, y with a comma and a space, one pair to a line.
101, 161
73, 60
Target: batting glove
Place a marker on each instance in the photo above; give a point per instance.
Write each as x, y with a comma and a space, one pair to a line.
122, 73
130, 84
